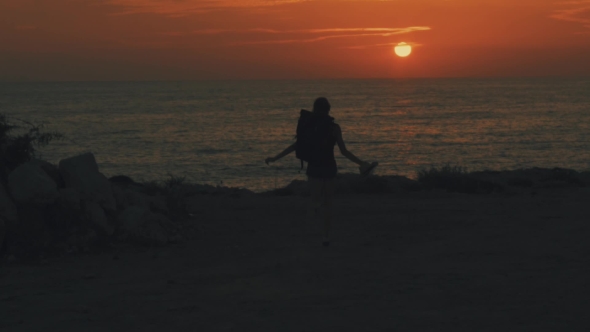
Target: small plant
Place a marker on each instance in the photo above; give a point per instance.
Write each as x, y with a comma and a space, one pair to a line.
446, 170
564, 175
174, 181
454, 179
154, 188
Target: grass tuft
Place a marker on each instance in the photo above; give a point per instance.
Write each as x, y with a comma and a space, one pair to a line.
174, 181
454, 179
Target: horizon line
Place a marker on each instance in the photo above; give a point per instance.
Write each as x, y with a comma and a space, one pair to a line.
294, 79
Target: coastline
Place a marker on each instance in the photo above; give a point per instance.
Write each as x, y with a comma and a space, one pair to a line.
452, 179
72, 206
407, 260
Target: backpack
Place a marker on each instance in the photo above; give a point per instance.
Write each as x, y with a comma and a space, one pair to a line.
312, 130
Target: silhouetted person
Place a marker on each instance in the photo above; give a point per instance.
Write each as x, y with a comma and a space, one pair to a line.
317, 134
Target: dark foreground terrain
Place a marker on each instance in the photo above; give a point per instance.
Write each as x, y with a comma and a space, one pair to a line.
420, 261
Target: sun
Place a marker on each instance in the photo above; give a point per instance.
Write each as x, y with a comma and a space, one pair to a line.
403, 50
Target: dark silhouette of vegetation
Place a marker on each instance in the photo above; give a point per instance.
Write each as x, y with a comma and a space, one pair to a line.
455, 179
568, 176
520, 182
16, 149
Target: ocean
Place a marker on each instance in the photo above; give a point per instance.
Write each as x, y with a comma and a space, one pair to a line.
220, 132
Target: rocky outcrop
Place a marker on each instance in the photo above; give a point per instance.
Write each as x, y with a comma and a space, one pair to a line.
2, 233
74, 207
81, 173
51, 170
29, 184
69, 198
126, 197
158, 204
98, 219
82, 239
8, 210
138, 224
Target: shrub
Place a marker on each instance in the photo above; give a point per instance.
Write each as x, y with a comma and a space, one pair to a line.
454, 179
20, 148
154, 187
564, 175
174, 181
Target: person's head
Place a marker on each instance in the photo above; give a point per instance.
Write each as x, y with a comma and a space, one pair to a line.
321, 106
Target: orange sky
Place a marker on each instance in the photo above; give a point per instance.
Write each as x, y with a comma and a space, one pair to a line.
290, 39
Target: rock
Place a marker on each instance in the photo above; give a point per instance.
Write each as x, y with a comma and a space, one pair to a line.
28, 183
175, 239
132, 218
126, 198
98, 218
140, 225
82, 239
67, 213
124, 180
81, 172
31, 219
51, 170
165, 223
120, 197
2, 234
158, 204
138, 199
8, 210
69, 198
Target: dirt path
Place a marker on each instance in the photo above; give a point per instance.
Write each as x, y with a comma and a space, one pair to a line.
419, 262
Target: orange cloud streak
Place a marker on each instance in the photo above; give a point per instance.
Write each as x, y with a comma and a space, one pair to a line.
386, 33
184, 7
580, 13
382, 31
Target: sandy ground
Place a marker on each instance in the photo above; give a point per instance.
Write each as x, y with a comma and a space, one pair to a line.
425, 261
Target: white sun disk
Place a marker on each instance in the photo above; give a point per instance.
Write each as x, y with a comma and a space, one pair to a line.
403, 50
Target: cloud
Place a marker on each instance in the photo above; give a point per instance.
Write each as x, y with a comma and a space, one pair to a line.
379, 31
185, 7
363, 47
329, 33
309, 35
578, 12
177, 8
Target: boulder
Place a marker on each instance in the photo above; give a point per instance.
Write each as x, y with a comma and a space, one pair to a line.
8, 210
81, 172
31, 220
158, 204
138, 224
98, 218
138, 199
28, 183
126, 198
69, 198
120, 197
51, 170
124, 180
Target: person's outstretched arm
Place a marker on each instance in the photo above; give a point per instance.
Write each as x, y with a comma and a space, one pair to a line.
285, 152
342, 147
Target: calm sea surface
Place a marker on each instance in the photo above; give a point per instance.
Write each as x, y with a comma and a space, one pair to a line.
221, 132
